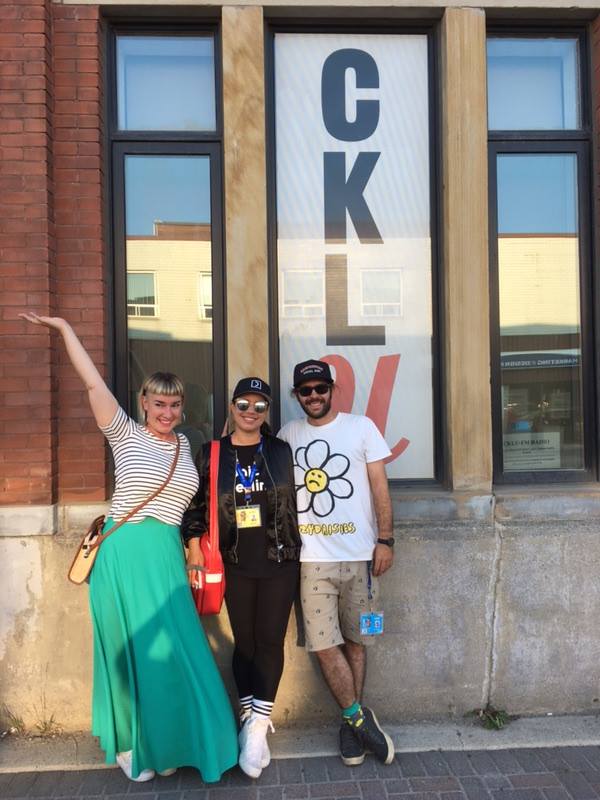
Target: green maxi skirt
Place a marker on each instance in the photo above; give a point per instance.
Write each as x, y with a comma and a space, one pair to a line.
157, 690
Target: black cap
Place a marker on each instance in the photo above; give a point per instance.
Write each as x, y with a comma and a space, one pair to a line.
252, 386
311, 370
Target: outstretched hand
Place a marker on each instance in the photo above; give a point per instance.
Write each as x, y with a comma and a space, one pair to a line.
58, 323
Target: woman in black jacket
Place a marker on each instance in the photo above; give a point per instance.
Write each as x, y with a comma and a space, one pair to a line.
260, 544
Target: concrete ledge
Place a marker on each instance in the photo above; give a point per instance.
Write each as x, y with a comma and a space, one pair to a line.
28, 520
558, 502
75, 519
80, 750
439, 506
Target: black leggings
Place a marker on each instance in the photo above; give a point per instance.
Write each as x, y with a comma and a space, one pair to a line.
259, 610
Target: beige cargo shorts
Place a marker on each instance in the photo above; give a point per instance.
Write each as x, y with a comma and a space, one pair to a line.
334, 594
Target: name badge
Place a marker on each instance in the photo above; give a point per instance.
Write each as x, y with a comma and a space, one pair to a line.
371, 624
248, 517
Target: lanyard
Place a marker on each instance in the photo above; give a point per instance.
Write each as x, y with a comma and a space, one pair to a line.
247, 481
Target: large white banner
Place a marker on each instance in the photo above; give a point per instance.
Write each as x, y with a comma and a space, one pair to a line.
353, 223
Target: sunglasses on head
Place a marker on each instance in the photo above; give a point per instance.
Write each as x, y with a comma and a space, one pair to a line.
243, 405
320, 388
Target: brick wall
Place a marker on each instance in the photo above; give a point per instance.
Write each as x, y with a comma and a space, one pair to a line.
78, 101
51, 257
27, 425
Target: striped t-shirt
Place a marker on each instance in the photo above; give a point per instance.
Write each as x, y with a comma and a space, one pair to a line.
142, 462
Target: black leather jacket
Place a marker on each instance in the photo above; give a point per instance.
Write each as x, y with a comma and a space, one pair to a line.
276, 468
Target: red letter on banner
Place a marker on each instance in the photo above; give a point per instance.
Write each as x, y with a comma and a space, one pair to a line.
380, 397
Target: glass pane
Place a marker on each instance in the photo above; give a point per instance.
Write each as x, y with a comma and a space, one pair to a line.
303, 293
533, 84
168, 245
381, 293
540, 322
354, 229
166, 83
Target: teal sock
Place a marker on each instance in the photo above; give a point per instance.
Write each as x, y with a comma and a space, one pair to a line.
352, 711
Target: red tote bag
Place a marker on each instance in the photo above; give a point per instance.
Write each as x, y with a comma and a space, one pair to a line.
209, 597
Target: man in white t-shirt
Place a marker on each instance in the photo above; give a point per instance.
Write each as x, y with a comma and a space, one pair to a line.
345, 522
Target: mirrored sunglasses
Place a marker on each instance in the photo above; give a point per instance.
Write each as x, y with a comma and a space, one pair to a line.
260, 406
320, 388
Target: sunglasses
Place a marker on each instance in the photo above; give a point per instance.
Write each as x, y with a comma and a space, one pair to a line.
260, 406
320, 388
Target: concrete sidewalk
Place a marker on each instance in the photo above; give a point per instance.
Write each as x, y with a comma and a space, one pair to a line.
527, 761
81, 752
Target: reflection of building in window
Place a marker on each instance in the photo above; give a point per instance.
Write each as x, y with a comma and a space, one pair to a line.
141, 295
177, 253
205, 295
303, 293
539, 284
381, 292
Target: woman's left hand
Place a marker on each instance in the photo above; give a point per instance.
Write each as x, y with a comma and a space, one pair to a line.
195, 563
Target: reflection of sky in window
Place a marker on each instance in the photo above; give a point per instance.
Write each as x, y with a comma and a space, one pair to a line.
532, 84
165, 83
537, 194
166, 189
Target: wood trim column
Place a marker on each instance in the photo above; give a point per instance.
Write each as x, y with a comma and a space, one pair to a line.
465, 329
245, 192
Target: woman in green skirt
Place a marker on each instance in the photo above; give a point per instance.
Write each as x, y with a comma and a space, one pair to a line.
158, 700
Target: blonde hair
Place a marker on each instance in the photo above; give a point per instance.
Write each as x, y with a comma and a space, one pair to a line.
165, 383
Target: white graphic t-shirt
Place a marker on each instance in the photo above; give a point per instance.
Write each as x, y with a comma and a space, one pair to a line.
335, 511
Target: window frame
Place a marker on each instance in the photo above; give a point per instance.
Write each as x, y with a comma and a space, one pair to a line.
527, 142
320, 306
203, 306
155, 305
120, 143
370, 271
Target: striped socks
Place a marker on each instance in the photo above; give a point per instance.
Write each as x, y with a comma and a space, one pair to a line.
245, 707
262, 707
249, 704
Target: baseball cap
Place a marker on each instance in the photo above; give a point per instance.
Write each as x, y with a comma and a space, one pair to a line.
311, 370
252, 386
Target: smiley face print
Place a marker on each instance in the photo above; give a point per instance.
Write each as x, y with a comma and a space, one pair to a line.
319, 476
316, 480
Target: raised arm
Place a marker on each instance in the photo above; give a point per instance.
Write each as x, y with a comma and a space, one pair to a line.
102, 401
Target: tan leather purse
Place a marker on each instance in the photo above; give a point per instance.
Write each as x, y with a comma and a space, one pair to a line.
82, 564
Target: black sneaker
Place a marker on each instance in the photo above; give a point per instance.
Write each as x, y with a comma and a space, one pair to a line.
373, 737
351, 748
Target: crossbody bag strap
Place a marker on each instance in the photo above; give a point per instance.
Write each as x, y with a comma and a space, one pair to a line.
213, 514
145, 502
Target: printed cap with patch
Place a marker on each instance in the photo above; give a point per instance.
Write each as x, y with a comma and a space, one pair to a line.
311, 370
252, 386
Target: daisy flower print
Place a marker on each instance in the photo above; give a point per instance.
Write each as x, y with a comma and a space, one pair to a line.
319, 476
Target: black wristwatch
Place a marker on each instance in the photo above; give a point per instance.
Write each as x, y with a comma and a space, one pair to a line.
389, 542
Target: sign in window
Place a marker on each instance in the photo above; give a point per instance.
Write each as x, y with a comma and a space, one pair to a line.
354, 229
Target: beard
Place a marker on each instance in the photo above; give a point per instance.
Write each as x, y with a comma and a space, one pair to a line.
320, 411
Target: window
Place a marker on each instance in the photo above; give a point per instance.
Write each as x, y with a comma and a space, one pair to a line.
205, 308
381, 293
533, 84
141, 295
540, 257
353, 180
303, 293
166, 83
167, 220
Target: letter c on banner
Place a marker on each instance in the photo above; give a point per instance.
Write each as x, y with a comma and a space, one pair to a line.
333, 94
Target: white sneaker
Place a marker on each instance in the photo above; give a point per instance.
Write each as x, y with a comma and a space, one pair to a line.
166, 772
124, 761
253, 740
243, 736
